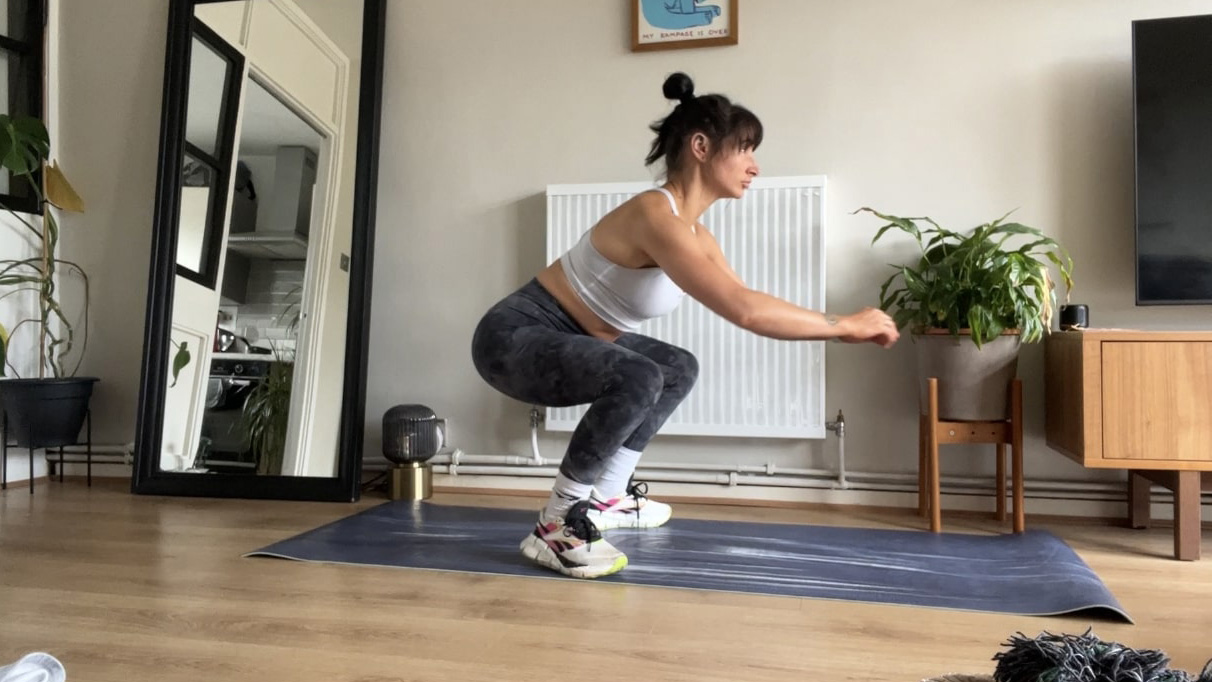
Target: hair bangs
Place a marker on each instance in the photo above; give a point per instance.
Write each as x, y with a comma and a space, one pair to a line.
745, 128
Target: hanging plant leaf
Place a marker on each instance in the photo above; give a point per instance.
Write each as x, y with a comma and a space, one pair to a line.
26, 145
24, 148
3, 349
180, 360
59, 191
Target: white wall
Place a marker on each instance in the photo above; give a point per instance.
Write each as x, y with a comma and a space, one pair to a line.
958, 109
111, 69
105, 64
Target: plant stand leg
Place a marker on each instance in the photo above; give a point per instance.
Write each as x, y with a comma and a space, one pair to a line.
88, 421
936, 512
4, 452
1016, 449
923, 481
31, 459
1001, 482
60, 463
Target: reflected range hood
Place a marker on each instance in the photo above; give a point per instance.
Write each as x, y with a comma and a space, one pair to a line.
280, 227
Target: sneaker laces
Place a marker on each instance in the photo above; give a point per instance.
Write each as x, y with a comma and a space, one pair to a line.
578, 525
638, 490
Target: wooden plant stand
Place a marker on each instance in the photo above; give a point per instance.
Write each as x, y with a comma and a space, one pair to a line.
932, 432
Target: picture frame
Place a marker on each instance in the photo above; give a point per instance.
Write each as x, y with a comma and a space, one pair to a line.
682, 24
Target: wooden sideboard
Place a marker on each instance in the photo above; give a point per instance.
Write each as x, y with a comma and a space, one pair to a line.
1139, 401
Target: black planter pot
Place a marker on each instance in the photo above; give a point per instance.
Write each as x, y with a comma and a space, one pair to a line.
45, 413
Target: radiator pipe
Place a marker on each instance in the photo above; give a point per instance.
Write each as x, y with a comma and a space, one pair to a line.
733, 480
536, 416
457, 457
101, 448
458, 462
838, 426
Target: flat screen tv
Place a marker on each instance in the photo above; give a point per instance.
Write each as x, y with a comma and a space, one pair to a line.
1172, 92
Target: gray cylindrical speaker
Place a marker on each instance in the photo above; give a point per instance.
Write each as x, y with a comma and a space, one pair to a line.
412, 433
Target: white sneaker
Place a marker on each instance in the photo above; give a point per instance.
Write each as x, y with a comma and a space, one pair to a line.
632, 509
573, 546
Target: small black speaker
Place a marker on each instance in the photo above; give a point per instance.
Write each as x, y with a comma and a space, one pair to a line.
1075, 316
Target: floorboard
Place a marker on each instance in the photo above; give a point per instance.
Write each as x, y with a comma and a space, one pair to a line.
123, 587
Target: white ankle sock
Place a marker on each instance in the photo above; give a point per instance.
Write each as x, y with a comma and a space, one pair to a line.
613, 481
564, 494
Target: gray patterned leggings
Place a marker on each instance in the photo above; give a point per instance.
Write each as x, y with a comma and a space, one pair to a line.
527, 347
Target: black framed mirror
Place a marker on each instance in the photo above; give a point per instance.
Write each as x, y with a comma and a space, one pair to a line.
258, 303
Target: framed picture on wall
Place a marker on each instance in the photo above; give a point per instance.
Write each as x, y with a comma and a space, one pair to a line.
680, 24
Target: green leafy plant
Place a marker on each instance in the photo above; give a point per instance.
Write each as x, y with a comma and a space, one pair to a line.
267, 411
24, 148
265, 417
24, 151
292, 313
974, 283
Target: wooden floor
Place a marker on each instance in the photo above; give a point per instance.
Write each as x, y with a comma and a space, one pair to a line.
122, 588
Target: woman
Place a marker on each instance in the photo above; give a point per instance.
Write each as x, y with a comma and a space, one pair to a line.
568, 336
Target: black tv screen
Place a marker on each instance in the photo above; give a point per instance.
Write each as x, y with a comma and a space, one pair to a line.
1172, 84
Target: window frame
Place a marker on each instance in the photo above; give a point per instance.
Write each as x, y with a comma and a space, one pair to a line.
31, 50
222, 164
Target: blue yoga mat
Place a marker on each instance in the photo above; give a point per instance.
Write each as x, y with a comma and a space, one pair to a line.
1033, 573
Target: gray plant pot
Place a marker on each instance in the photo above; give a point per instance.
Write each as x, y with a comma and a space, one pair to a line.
973, 383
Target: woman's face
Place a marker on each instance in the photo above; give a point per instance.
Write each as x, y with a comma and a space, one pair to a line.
731, 171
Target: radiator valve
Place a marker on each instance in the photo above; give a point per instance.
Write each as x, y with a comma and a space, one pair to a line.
838, 426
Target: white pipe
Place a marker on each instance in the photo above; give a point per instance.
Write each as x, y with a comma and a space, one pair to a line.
458, 459
81, 458
100, 448
838, 426
732, 474
524, 463
841, 456
734, 480
489, 470
505, 465
534, 444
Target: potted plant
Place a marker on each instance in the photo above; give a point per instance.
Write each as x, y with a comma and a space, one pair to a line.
47, 410
969, 301
266, 413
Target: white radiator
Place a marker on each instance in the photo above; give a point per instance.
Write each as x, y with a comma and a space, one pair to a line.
749, 386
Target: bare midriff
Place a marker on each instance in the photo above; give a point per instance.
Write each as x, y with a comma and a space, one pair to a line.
556, 283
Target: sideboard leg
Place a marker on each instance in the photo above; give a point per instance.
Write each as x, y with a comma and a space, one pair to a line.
1138, 500
1186, 516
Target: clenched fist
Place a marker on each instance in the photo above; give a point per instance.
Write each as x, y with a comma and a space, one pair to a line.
870, 325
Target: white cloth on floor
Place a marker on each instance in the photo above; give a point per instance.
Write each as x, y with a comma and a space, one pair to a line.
35, 667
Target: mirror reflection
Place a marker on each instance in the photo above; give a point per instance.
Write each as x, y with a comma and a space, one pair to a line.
211, 75
263, 239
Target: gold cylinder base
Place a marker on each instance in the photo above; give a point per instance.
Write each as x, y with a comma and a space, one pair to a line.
412, 481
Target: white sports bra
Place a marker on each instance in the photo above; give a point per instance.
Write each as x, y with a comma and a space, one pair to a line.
623, 297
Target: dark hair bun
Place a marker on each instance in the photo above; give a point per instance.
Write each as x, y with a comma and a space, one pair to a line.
678, 86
